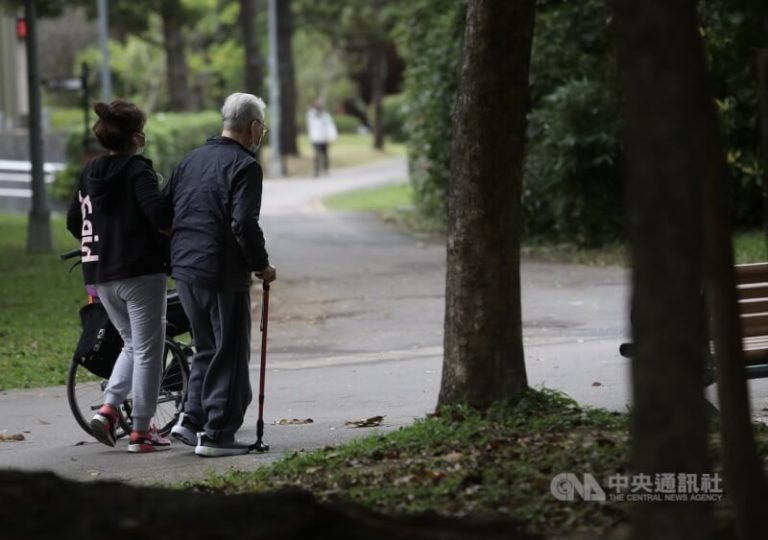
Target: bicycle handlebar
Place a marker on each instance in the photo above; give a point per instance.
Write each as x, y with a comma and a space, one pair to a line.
70, 254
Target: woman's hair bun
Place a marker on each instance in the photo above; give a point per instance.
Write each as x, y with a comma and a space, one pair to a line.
103, 110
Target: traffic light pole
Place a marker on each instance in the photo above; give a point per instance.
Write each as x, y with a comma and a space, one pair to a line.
39, 226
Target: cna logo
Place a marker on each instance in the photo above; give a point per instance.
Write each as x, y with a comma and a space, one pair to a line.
565, 487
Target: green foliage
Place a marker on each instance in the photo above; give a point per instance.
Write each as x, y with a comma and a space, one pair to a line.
345, 124
430, 36
169, 137
573, 182
573, 189
395, 116
734, 33
320, 73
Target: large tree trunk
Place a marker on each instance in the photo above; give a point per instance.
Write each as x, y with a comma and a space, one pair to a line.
676, 180
171, 12
484, 359
762, 68
253, 65
744, 475
288, 130
662, 76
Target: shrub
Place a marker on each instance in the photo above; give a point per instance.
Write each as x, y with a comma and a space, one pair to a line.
430, 36
572, 189
169, 137
395, 114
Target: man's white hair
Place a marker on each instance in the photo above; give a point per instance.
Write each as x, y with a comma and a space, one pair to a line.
241, 109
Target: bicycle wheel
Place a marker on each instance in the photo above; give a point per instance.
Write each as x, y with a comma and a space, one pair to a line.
85, 394
173, 387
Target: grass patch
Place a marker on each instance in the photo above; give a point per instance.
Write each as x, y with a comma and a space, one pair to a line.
750, 246
610, 255
348, 150
494, 464
394, 204
39, 302
381, 200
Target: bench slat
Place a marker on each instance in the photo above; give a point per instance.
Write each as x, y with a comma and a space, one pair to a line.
750, 307
752, 291
754, 325
751, 273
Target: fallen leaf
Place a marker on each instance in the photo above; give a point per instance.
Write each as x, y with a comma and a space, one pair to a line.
292, 421
12, 437
453, 457
366, 422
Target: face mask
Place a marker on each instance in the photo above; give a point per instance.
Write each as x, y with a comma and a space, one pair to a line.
140, 149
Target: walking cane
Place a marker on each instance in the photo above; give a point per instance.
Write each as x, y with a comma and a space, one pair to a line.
259, 445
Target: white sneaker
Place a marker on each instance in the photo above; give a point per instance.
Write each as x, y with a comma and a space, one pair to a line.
182, 432
207, 447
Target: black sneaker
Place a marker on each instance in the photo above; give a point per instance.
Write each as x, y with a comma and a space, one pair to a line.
207, 447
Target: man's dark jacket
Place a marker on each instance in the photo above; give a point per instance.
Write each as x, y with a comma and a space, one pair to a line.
216, 196
117, 212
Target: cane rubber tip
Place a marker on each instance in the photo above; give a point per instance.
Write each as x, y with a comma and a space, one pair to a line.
260, 447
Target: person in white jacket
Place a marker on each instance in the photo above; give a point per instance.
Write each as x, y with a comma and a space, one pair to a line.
322, 131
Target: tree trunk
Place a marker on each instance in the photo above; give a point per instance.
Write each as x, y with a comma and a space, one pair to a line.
484, 359
744, 476
378, 61
676, 181
288, 130
253, 65
171, 12
762, 68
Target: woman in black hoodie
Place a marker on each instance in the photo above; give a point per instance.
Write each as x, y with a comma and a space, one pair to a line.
117, 213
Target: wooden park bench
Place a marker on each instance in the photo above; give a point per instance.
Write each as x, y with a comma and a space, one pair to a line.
752, 289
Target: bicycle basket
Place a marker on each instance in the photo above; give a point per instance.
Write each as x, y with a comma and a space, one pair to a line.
99, 344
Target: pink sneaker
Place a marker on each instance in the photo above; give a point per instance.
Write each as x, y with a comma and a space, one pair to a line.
104, 424
142, 442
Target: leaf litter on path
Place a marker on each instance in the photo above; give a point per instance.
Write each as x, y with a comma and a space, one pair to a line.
373, 421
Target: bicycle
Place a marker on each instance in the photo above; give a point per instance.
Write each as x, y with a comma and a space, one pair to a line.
88, 373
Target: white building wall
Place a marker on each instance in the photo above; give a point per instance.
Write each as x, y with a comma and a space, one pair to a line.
14, 104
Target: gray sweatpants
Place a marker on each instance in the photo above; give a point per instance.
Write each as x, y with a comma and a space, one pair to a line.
219, 389
136, 306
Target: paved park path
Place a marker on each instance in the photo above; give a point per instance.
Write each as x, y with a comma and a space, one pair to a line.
355, 331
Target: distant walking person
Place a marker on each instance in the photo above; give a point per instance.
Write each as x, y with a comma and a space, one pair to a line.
322, 132
216, 245
117, 212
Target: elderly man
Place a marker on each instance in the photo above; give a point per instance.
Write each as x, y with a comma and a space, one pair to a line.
216, 246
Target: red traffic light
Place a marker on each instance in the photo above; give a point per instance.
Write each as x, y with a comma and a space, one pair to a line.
21, 28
